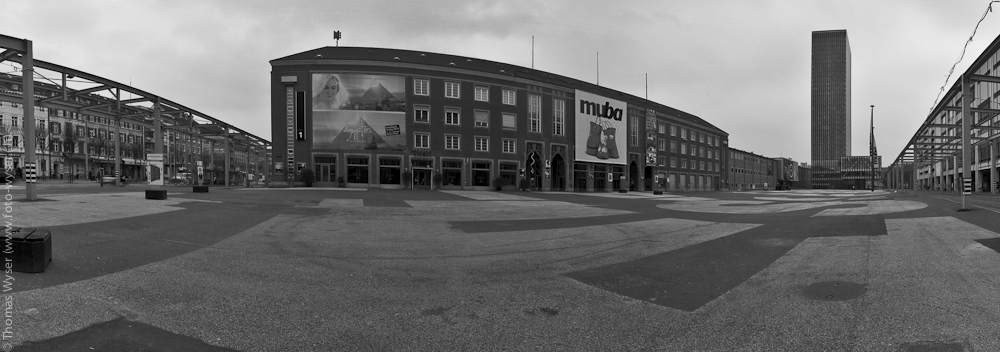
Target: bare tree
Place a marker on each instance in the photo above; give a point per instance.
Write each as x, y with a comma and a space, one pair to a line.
70, 140
41, 141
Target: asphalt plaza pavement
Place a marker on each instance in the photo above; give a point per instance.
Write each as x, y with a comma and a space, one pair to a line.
322, 270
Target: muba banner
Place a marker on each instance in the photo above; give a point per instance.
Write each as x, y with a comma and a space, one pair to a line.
600, 129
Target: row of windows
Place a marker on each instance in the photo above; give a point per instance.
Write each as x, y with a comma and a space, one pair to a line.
662, 129
15, 120
56, 129
454, 142
684, 164
739, 156
695, 151
481, 118
736, 170
452, 90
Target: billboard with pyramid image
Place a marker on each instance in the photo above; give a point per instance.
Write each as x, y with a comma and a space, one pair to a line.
358, 111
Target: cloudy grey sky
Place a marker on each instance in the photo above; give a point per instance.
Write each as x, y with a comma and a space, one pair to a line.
742, 65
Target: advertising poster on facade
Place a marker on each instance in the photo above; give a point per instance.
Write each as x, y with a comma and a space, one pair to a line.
154, 169
353, 111
791, 170
201, 171
600, 129
650, 137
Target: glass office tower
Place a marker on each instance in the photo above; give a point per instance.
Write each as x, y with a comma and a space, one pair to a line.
831, 106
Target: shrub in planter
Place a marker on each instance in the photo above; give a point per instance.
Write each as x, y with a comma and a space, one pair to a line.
340, 181
525, 184
308, 177
499, 182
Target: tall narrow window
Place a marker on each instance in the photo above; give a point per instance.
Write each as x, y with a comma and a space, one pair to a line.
558, 116
633, 132
482, 118
451, 90
482, 93
534, 113
421, 87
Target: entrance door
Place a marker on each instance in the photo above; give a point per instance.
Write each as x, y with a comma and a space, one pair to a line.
580, 181
558, 173
326, 173
648, 174
421, 179
633, 174
534, 164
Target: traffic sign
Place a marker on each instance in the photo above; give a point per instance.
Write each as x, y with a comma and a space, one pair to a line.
967, 183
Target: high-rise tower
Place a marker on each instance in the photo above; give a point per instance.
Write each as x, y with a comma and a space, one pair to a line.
831, 106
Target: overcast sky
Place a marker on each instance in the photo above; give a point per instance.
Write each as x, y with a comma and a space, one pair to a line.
744, 66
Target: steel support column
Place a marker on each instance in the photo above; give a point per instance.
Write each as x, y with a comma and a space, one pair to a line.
28, 81
966, 124
227, 155
158, 139
993, 166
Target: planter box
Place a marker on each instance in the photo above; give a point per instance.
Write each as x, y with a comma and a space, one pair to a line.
200, 189
31, 250
156, 194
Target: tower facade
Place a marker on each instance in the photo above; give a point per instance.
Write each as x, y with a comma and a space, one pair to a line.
831, 106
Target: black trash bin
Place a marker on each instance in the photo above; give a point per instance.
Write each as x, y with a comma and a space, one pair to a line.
31, 250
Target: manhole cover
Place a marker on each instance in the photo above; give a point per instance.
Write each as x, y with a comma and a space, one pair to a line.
100, 234
834, 291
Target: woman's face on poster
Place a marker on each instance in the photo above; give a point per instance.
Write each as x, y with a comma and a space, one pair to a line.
331, 88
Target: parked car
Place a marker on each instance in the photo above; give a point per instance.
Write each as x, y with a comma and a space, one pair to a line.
5, 175
111, 179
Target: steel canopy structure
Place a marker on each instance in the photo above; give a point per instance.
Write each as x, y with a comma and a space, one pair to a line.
958, 139
68, 89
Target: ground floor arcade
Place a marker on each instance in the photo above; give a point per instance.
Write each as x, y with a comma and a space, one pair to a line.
535, 170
